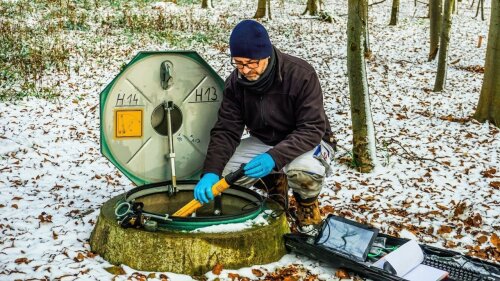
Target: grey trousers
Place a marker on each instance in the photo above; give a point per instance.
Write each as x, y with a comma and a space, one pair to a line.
305, 173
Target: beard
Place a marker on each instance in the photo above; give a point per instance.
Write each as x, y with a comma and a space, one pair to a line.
252, 76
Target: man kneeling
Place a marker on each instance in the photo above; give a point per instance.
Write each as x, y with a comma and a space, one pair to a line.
278, 98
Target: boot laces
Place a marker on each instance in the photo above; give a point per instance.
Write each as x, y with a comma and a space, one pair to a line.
308, 210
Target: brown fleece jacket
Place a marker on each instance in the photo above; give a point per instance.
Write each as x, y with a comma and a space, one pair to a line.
288, 116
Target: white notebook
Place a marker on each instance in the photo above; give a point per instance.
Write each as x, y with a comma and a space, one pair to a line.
407, 261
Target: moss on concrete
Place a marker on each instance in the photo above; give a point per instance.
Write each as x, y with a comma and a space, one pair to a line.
184, 252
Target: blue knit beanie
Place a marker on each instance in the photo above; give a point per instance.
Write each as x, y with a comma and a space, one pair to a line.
249, 39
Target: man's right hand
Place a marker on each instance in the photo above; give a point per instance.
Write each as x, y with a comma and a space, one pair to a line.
203, 189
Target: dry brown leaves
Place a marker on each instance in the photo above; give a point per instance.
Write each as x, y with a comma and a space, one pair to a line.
490, 173
217, 269
290, 273
472, 68
342, 274
45, 218
22, 260
328, 209
495, 241
482, 239
459, 209
486, 253
495, 184
79, 258
444, 229
257, 272
455, 119
476, 220
233, 276
138, 276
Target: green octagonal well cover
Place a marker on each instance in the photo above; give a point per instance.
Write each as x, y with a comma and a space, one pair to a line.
133, 116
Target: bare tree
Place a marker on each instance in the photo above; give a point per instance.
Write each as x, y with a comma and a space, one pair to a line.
480, 6
362, 124
207, 4
263, 9
313, 7
488, 107
436, 18
394, 12
366, 30
443, 47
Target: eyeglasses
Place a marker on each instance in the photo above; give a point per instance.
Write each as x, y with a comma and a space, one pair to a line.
249, 65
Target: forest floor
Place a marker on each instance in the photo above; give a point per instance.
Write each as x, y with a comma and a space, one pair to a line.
438, 176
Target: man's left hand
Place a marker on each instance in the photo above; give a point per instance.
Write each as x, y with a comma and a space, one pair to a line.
260, 166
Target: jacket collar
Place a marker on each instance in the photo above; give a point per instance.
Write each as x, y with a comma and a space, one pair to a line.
279, 64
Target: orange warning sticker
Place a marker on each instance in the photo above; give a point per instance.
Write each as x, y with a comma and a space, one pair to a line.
128, 123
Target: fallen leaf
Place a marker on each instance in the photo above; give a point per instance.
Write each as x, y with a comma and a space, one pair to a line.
91, 254
459, 209
444, 229
490, 173
441, 207
495, 240
338, 186
482, 239
328, 209
495, 184
450, 244
217, 269
257, 272
80, 257
476, 220
22, 260
44, 217
342, 274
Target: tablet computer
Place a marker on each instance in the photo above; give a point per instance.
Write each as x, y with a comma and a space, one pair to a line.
348, 237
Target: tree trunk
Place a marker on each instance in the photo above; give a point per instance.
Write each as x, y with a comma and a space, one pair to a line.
436, 18
480, 5
394, 12
313, 6
261, 9
443, 49
207, 4
366, 30
362, 124
488, 108
269, 9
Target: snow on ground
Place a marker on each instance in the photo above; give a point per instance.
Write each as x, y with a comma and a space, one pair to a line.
440, 167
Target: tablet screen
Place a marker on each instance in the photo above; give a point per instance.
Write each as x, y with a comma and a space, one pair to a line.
347, 236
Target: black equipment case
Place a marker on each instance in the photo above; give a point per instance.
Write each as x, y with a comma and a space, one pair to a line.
478, 270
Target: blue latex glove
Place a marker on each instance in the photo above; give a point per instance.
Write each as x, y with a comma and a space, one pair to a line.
260, 166
203, 189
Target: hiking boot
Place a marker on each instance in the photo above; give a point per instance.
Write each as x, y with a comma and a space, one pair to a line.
308, 215
276, 186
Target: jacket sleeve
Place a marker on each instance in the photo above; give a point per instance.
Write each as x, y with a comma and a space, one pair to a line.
225, 136
310, 123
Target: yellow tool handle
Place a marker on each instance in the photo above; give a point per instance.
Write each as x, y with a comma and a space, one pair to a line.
194, 205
